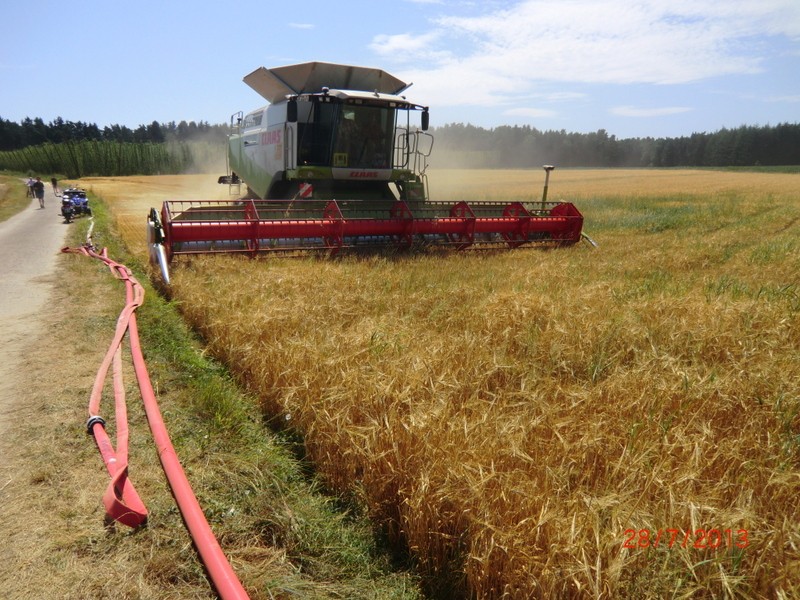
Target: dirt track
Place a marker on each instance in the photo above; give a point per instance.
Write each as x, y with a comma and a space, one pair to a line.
29, 245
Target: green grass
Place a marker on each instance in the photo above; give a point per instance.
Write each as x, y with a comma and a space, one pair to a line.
13, 198
758, 169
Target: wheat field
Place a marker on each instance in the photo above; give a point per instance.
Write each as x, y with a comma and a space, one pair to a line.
618, 422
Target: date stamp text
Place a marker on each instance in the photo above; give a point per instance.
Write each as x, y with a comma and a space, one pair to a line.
700, 539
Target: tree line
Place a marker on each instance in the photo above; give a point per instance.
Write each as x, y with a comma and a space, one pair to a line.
34, 132
459, 145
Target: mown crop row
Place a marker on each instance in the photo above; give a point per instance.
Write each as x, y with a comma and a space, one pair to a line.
110, 159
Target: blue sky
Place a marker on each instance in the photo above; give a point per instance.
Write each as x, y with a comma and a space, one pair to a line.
661, 68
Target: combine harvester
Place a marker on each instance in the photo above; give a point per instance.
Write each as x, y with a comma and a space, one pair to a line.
334, 162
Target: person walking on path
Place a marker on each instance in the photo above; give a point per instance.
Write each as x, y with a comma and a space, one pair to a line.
54, 183
30, 183
38, 191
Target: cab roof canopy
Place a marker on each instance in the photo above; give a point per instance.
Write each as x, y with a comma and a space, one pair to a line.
309, 78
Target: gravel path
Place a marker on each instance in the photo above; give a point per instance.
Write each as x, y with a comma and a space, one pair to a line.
30, 244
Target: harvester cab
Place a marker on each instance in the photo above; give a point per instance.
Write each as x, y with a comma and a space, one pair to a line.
338, 159
330, 131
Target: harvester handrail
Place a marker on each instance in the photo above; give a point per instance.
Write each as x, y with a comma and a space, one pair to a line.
401, 148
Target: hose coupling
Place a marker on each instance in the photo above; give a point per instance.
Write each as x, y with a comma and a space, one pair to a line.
94, 420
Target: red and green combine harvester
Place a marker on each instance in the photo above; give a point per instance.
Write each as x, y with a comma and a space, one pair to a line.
338, 159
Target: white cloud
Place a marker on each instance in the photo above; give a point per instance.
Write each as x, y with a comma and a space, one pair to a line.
489, 58
632, 111
407, 47
301, 25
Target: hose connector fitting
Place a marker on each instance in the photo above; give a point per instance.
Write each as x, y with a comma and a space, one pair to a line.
94, 420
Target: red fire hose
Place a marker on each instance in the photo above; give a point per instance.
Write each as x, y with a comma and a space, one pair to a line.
121, 501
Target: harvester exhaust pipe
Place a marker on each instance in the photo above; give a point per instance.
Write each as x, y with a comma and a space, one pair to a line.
547, 169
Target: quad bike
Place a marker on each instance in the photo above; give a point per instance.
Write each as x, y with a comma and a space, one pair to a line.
74, 203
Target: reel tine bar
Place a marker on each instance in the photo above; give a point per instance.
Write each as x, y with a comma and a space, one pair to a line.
253, 226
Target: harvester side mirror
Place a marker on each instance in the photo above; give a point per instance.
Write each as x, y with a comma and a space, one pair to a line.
426, 119
291, 111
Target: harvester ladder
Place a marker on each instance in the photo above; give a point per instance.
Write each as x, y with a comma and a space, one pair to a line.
420, 154
410, 154
401, 151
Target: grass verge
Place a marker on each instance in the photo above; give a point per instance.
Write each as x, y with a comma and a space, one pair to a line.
12, 196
